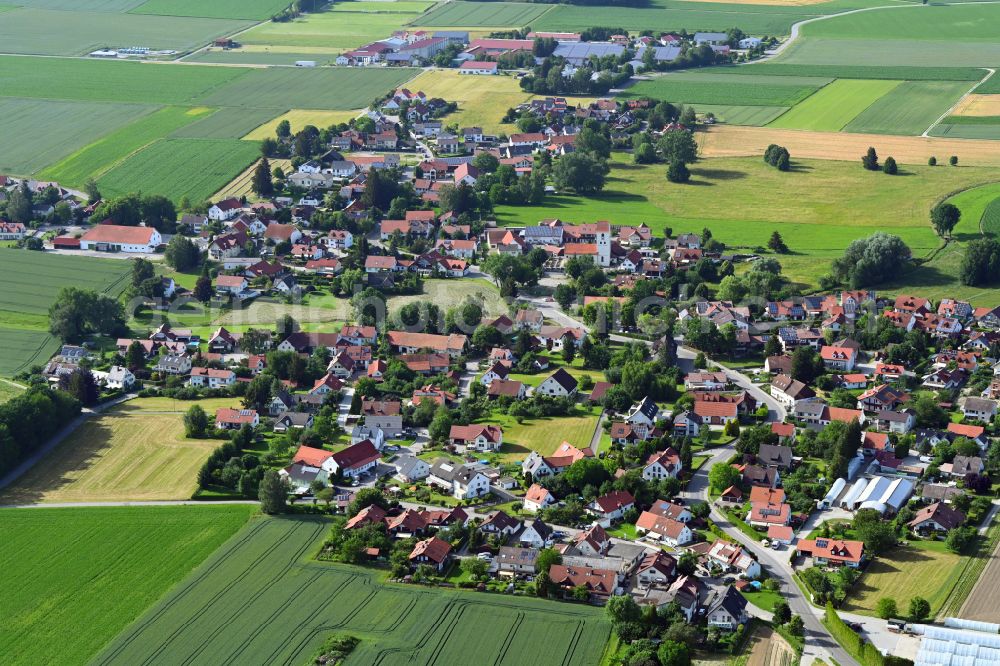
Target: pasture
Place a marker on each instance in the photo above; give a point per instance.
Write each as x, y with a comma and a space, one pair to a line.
721, 88
258, 600
74, 578
818, 207
835, 105
909, 108
35, 133
132, 452
299, 118
287, 88
179, 168
95, 158
71, 33
251, 10
923, 569
483, 15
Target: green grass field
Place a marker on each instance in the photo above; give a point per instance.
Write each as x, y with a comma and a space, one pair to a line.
966, 130
835, 105
178, 168
924, 36
991, 218
732, 114
286, 88
546, 434
924, 568
35, 133
253, 10
822, 206
909, 108
899, 73
8, 391
82, 5
705, 88
68, 33
74, 578
483, 15
259, 600
346, 25
23, 348
94, 159
102, 80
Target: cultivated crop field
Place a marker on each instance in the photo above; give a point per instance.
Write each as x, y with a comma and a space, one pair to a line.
178, 168
259, 600
101, 80
482, 100
132, 452
94, 159
229, 123
254, 10
483, 15
22, 348
706, 88
71, 33
68, 127
735, 114
287, 88
8, 391
909, 108
74, 578
835, 105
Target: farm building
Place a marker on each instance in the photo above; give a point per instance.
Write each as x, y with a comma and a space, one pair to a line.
831, 497
880, 493
114, 238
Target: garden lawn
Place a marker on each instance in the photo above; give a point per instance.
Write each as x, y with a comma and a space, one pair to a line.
132, 452
762, 599
36, 133
179, 168
545, 434
835, 105
254, 10
923, 568
259, 599
66, 32
74, 578
722, 88
94, 159
910, 108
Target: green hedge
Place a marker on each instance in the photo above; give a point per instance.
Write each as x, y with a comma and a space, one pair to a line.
866, 653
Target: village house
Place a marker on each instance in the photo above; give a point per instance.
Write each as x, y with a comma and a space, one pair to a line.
514, 561
356, 460
114, 238
211, 377
433, 551
727, 610
383, 414
460, 481
938, 518
832, 552
477, 437
234, 419
559, 384
537, 498
612, 507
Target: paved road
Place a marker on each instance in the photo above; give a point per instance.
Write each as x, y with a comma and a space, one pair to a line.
819, 643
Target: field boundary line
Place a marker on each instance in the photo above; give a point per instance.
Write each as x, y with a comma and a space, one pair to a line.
989, 74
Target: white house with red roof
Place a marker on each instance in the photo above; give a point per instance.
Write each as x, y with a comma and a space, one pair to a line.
479, 437
612, 506
356, 460
234, 419
211, 377
115, 238
662, 465
537, 498
476, 67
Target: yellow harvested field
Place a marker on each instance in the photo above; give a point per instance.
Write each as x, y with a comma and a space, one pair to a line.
134, 452
978, 105
734, 141
482, 100
299, 118
242, 185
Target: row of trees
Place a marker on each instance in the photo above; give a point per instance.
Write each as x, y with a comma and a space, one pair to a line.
27, 421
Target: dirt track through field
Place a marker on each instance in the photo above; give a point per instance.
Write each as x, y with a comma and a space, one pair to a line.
982, 604
732, 141
770, 649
